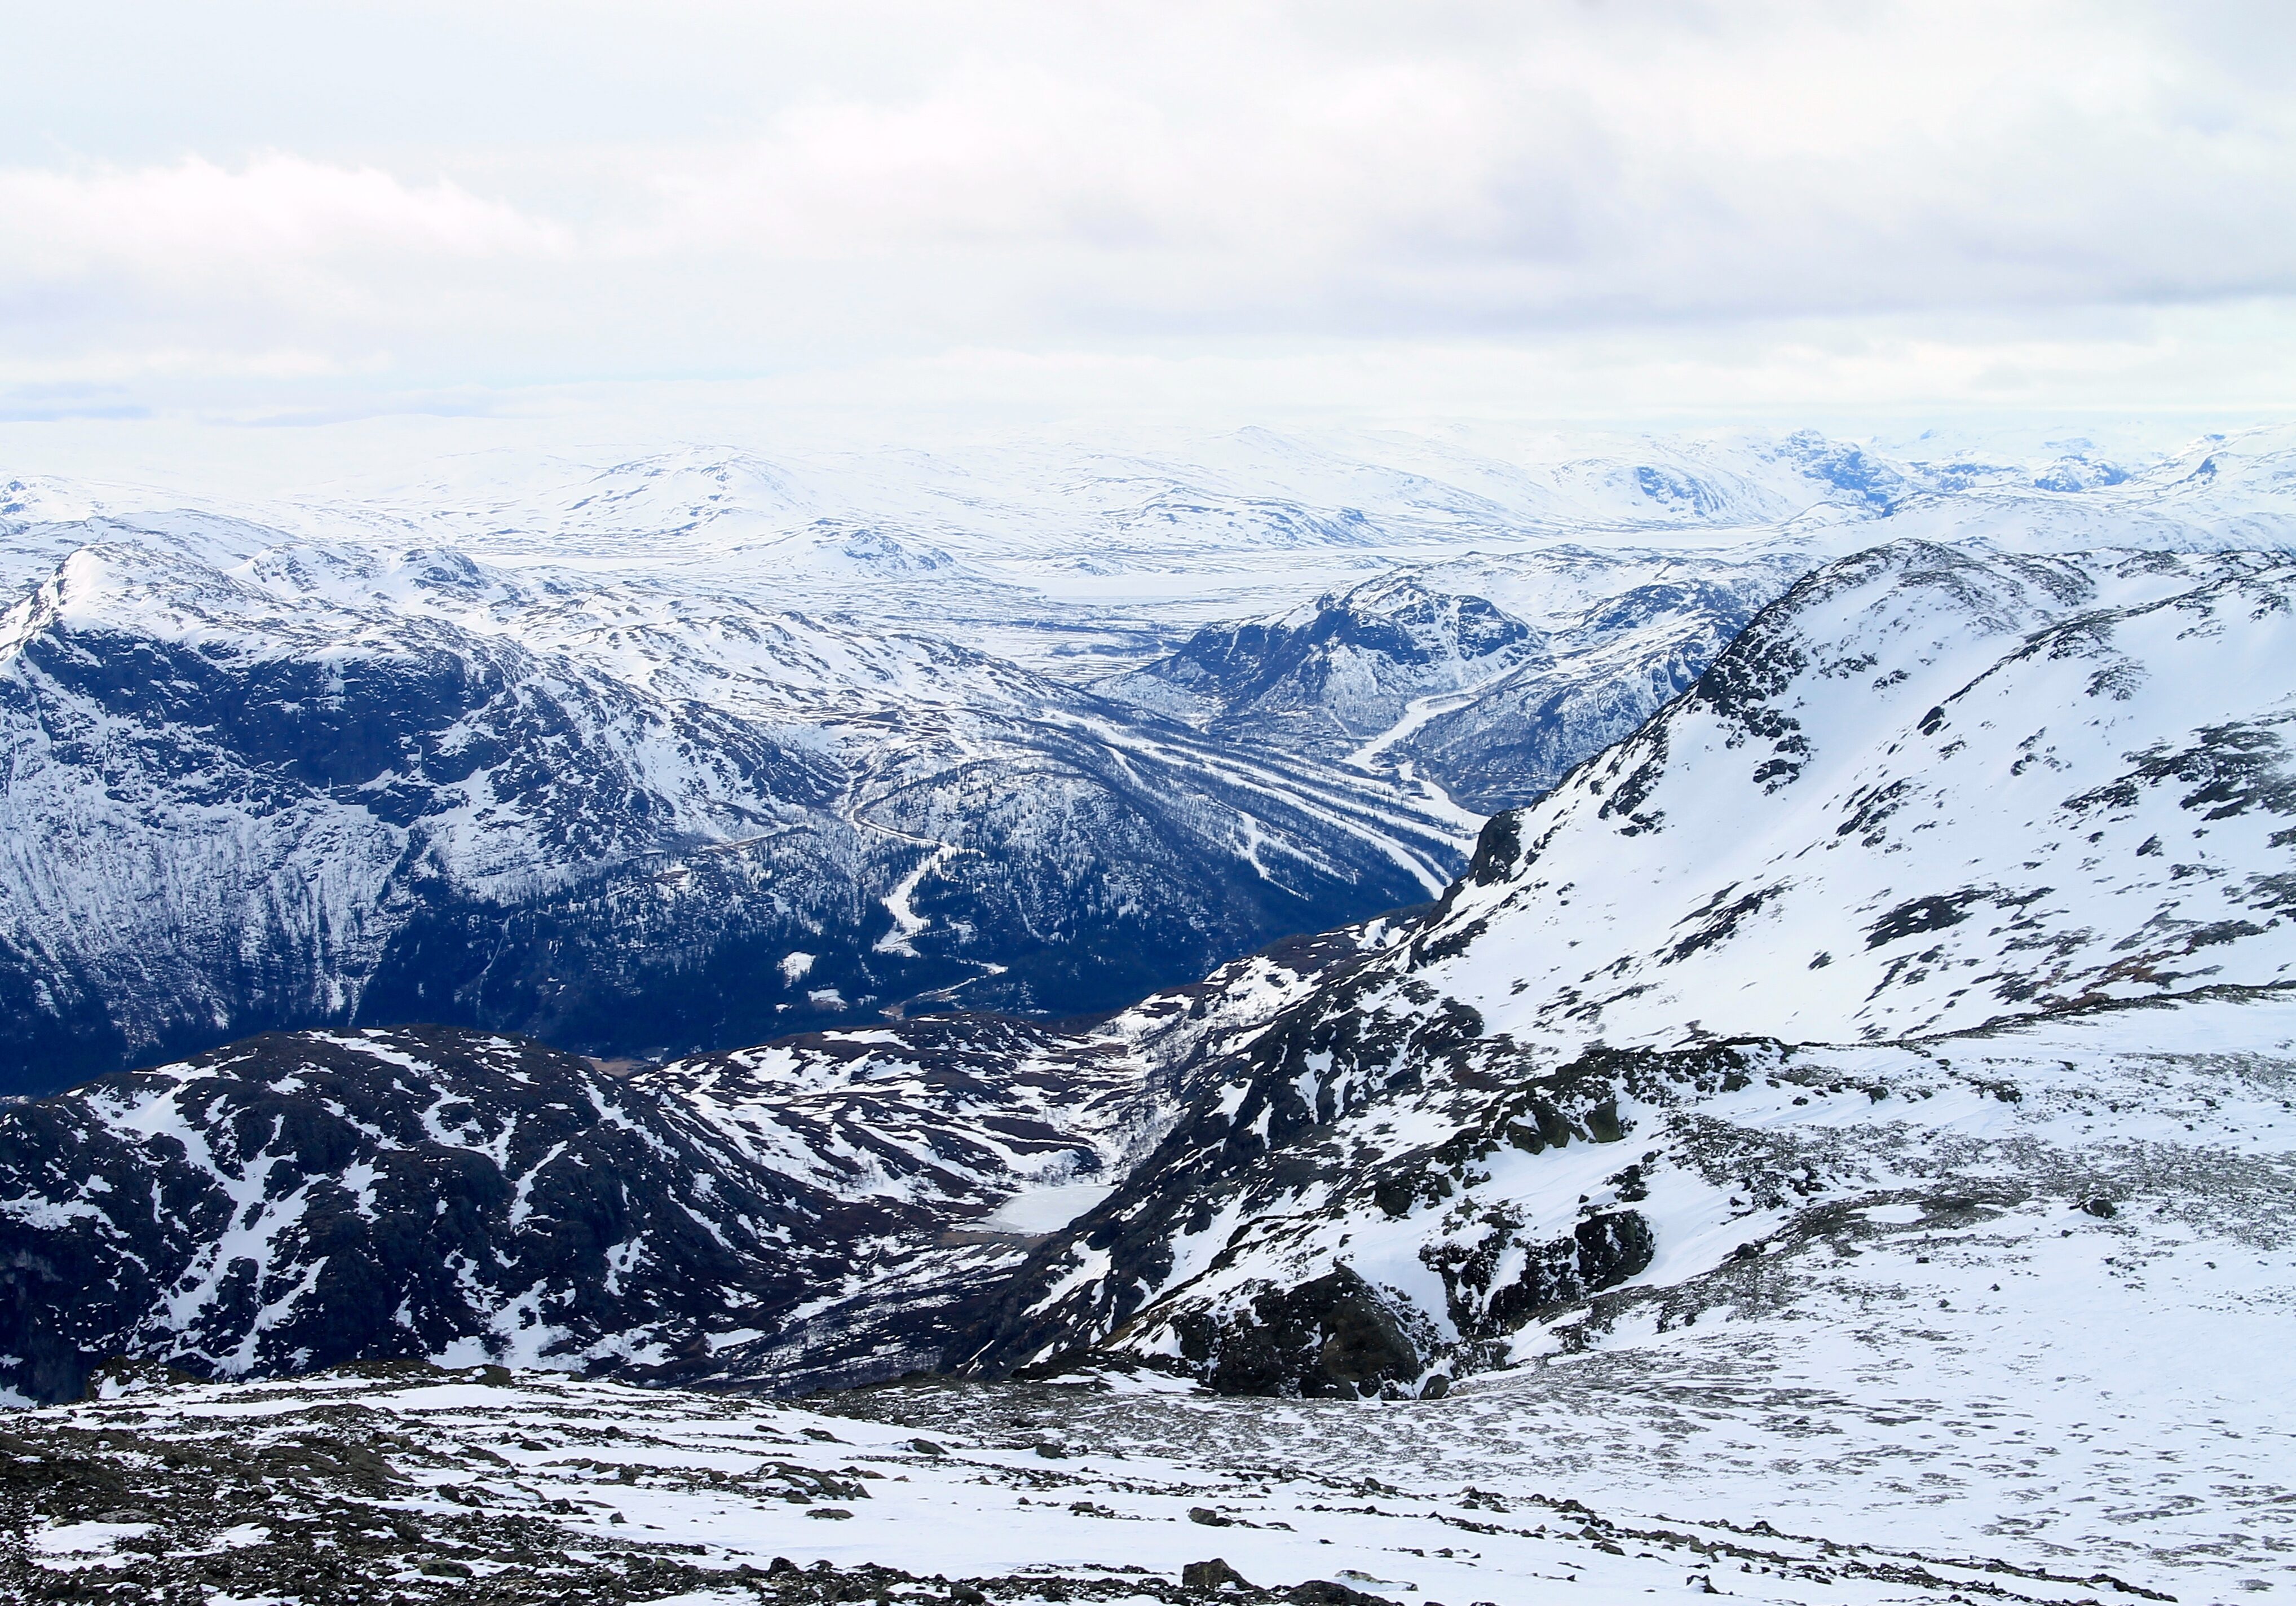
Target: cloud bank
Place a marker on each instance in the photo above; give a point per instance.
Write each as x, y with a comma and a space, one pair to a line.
1947, 202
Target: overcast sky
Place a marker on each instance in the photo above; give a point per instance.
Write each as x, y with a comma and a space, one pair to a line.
270, 212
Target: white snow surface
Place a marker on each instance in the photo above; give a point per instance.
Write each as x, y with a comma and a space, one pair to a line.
1774, 1461
1932, 790
1047, 1205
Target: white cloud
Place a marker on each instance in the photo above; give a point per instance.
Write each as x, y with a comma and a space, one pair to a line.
1580, 166
193, 220
1186, 181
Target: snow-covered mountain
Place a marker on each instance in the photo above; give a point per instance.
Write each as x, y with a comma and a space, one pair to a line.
683, 750
1927, 790
1833, 1144
1954, 895
1094, 555
2017, 825
319, 785
1491, 676
1033, 508
300, 1201
833, 1208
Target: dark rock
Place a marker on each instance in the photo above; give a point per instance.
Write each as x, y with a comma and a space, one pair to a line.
1497, 848
1925, 914
1322, 1591
1601, 1252
1333, 1335
1214, 1574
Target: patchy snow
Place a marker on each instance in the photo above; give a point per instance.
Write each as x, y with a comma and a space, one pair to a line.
1728, 1464
87, 1538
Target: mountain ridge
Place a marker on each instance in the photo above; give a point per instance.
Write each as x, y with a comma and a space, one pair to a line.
431, 791
1399, 1154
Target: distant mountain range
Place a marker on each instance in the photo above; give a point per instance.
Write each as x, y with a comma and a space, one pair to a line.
316, 788
690, 750
1489, 677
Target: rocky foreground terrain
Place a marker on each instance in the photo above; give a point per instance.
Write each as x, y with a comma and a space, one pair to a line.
1937, 1401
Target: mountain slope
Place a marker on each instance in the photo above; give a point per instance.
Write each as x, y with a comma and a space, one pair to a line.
831, 1208
319, 786
1928, 789
1596, 1097
300, 1199
1988, 790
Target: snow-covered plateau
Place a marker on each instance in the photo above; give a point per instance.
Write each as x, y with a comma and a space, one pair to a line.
1831, 1136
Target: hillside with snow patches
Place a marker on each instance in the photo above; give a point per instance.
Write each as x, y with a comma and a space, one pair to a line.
308, 1200
1926, 797
1928, 790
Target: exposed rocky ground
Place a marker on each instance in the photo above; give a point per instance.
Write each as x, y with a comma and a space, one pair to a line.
1717, 1471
